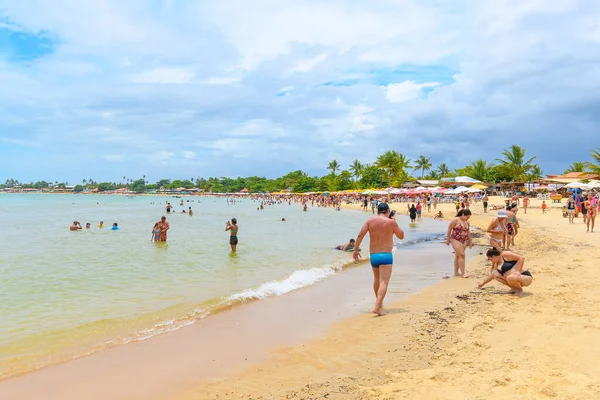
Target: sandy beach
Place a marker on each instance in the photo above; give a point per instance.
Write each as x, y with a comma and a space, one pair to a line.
450, 341
454, 341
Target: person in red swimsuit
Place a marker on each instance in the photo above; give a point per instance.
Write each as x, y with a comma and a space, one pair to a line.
459, 236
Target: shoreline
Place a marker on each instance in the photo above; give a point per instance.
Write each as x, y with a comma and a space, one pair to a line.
454, 341
348, 268
423, 333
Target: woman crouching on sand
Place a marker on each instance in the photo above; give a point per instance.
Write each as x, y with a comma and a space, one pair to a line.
508, 268
459, 235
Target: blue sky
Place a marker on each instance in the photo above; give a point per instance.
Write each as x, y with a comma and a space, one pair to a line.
178, 89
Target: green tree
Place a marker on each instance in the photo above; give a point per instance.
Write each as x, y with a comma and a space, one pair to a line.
514, 163
78, 188
577, 166
391, 163
594, 166
423, 163
535, 173
357, 169
138, 186
344, 180
372, 177
478, 169
443, 170
334, 166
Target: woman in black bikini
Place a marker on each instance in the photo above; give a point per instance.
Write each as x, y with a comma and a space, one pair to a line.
508, 268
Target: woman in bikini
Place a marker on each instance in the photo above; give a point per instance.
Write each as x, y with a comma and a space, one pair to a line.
508, 224
591, 206
496, 230
459, 236
508, 268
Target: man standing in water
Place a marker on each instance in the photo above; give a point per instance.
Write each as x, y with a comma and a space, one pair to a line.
233, 228
382, 229
163, 225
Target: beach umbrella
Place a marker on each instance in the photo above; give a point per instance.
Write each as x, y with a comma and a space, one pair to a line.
544, 187
474, 190
593, 184
461, 189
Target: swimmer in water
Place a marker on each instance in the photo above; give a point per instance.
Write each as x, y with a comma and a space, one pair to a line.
115, 227
190, 212
88, 225
101, 224
348, 246
76, 226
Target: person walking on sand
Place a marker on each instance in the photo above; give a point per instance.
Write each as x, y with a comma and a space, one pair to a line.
571, 209
509, 269
485, 201
459, 236
381, 229
525, 204
233, 228
591, 205
544, 206
496, 230
164, 226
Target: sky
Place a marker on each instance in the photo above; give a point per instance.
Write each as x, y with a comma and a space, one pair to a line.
179, 88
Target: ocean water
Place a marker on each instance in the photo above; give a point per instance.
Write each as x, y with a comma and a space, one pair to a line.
64, 294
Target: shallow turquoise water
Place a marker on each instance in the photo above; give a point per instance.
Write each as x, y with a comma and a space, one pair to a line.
66, 293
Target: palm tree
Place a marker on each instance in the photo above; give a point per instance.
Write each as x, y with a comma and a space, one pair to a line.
392, 164
357, 169
594, 167
577, 166
514, 165
478, 169
423, 163
535, 173
443, 170
334, 166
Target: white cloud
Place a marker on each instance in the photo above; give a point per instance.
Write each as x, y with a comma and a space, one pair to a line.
307, 65
224, 80
164, 75
407, 90
189, 155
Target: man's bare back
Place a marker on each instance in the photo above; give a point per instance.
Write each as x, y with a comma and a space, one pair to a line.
381, 230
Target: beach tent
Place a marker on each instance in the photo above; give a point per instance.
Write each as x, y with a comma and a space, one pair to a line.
577, 185
461, 189
479, 186
461, 179
544, 187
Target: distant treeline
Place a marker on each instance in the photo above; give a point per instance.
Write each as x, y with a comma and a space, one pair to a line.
389, 169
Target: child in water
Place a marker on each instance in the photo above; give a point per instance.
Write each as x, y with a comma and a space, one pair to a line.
156, 233
439, 215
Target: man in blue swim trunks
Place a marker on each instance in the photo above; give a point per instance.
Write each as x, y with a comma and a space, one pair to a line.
381, 229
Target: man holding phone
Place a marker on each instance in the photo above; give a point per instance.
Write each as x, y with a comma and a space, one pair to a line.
381, 229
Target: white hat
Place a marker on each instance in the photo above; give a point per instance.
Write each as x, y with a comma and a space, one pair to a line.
502, 214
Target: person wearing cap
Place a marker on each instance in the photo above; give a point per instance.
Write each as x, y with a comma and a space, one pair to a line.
381, 229
496, 230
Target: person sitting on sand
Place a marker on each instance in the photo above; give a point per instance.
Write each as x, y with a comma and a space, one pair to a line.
346, 247
76, 226
459, 236
508, 268
439, 215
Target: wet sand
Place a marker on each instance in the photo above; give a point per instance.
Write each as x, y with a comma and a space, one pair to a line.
223, 343
454, 341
